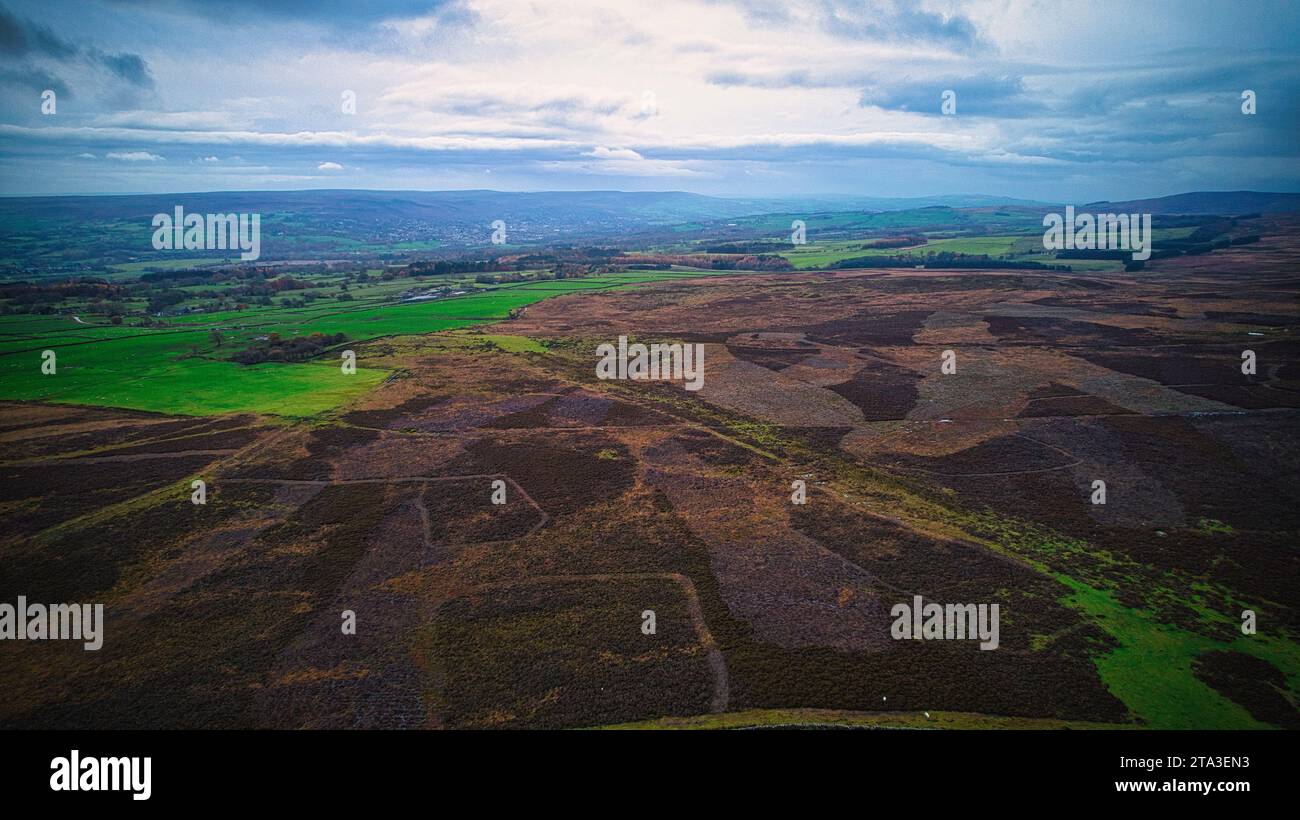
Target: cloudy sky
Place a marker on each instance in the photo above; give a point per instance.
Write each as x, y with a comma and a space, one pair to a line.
1057, 101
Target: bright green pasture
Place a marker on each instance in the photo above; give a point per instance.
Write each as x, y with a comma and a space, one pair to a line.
820, 254
183, 366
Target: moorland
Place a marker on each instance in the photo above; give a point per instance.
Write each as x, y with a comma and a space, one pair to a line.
372, 491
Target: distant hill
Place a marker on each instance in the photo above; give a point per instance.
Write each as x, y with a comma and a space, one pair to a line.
869, 203
89, 234
1225, 203
101, 234
586, 210
464, 207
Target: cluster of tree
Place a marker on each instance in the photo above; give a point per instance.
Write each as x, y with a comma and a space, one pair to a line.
748, 247
294, 349
162, 299
896, 242
1187, 247
255, 292
762, 261
1182, 220
256, 280
499, 278
562, 270
574, 261
1210, 235
1094, 253
39, 310
1211, 230
203, 276
569, 270
29, 295
560, 255
449, 267
1205, 239
302, 301
659, 261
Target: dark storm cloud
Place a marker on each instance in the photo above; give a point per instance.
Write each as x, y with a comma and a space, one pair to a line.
352, 25
129, 67
1119, 89
316, 12
897, 22
30, 78
21, 38
881, 20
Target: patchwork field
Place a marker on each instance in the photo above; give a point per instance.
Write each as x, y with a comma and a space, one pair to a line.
375, 496
181, 364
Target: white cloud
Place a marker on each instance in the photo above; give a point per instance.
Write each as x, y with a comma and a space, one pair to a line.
602, 152
815, 94
188, 120
133, 156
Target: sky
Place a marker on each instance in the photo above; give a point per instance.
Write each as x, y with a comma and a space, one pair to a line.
1060, 102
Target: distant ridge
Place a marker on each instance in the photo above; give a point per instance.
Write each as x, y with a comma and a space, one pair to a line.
367, 206
1226, 203
884, 203
644, 207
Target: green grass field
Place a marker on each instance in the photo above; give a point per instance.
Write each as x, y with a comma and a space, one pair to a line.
181, 368
1027, 247
816, 255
